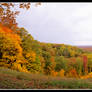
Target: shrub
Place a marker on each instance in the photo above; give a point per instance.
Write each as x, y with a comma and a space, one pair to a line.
53, 73
72, 73
61, 73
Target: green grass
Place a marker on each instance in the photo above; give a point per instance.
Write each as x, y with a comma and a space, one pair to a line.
11, 79
70, 84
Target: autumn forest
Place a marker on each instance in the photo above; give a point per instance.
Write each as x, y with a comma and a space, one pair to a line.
19, 51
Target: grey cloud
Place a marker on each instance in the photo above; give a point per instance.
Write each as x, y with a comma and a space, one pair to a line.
67, 23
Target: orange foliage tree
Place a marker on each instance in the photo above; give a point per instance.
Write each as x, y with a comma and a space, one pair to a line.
8, 15
54, 73
61, 73
10, 49
72, 73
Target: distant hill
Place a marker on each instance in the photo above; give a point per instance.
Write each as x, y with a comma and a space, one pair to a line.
87, 48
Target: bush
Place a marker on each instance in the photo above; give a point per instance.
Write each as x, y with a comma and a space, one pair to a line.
72, 73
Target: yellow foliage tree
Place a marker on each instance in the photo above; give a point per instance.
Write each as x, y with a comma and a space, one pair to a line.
72, 73
53, 73
42, 63
86, 76
31, 56
61, 73
17, 66
10, 49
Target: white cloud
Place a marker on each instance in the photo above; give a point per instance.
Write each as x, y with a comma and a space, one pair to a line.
59, 22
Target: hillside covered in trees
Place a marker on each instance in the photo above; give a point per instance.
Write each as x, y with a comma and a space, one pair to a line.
21, 52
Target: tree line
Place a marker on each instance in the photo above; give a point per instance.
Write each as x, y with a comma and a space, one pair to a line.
21, 52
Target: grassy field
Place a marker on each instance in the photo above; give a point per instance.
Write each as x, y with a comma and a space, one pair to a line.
11, 79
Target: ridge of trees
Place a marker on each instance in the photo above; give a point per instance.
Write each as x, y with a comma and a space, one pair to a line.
21, 52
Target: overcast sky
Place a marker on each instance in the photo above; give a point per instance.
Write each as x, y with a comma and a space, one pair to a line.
67, 23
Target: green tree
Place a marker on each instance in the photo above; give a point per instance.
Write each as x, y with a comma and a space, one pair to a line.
34, 66
79, 66
61, 63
